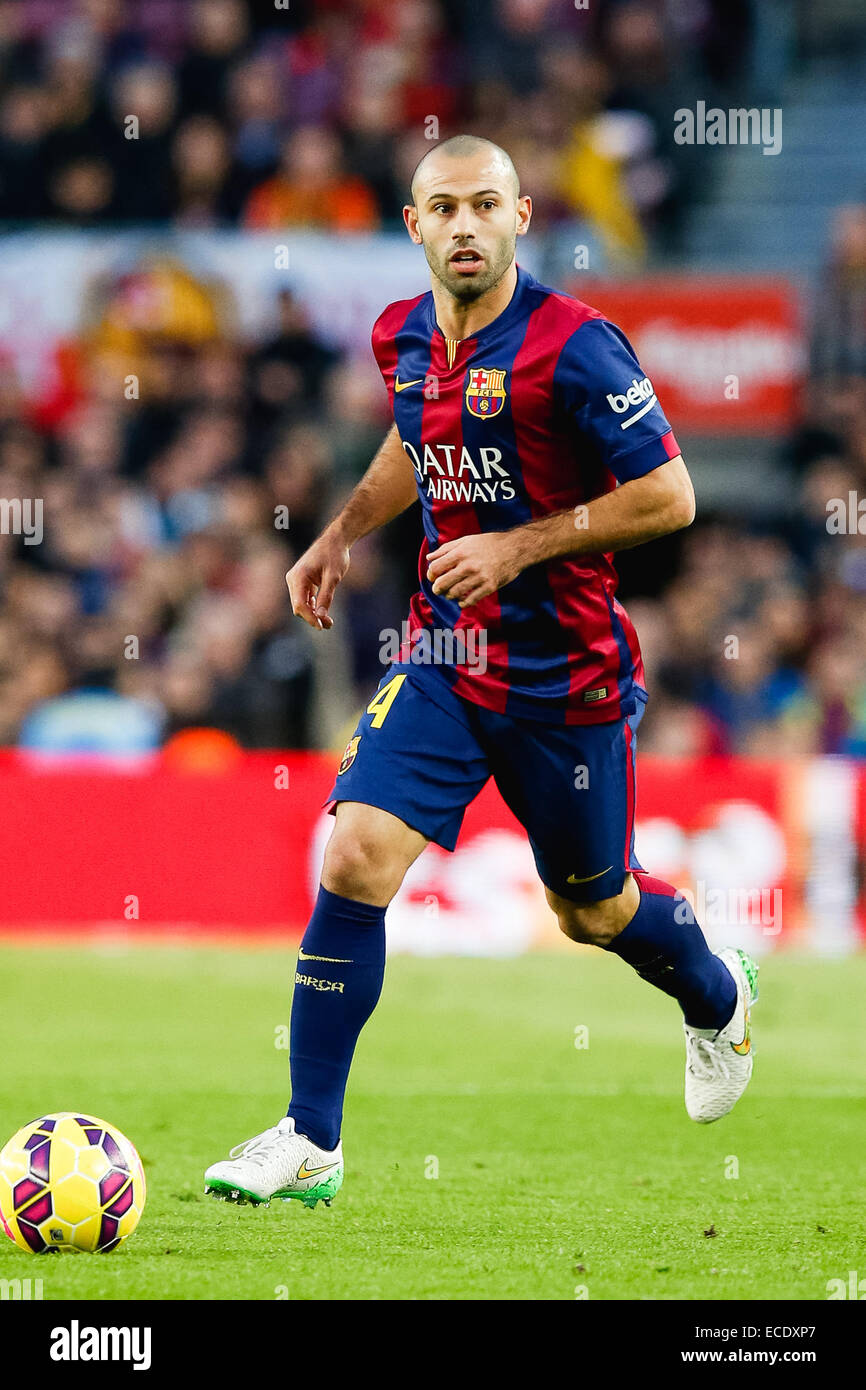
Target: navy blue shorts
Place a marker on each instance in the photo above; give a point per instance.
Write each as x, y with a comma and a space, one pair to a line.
572, 788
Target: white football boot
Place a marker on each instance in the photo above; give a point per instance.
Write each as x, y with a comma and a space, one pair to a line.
277, 1163
719, 1064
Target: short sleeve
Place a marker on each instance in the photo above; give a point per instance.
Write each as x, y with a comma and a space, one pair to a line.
600, 384
381, 341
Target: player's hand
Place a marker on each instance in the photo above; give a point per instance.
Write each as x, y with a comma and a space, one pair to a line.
313, 579
472, 567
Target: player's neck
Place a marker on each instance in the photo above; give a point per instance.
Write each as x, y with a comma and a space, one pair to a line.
460, 321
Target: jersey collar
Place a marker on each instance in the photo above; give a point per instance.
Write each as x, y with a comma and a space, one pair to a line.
509, 314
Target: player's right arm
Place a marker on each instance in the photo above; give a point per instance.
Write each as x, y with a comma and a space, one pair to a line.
386, 489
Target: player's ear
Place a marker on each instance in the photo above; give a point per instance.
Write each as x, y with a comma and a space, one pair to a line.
410, 217
524, 214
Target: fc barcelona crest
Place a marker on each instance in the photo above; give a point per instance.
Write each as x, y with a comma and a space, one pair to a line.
350, 754
485, 392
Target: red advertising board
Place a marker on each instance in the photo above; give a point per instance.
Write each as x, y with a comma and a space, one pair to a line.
239, 851
725, 355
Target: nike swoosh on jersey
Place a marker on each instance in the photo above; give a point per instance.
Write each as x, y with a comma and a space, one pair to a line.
589, 878
330, 960
403, 385
305, 1172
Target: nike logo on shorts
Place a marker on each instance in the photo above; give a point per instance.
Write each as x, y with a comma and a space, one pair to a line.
589, 878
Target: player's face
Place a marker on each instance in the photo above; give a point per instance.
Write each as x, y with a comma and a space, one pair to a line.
467, 216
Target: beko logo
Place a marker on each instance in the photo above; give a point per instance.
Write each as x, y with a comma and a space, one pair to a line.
639, 393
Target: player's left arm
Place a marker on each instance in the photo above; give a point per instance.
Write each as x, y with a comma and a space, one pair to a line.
469, 569
601, 386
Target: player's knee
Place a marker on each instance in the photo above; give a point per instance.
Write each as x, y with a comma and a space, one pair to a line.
585, 923
358, 868
594, 924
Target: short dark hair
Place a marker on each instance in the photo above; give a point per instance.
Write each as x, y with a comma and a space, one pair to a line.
459, 145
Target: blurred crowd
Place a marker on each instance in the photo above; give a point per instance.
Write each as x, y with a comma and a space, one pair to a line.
188, 110
758, 644
156, 602
156, 599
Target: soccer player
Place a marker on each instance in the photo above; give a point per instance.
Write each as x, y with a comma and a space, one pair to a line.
536, 445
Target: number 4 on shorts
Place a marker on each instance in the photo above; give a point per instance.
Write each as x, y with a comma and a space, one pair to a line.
383, 700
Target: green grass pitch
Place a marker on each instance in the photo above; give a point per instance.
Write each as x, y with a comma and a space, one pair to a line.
563, 1171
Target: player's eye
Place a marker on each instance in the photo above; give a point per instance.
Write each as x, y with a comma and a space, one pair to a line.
488, 203
442, 207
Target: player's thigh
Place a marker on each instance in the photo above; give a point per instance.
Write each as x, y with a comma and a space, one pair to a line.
414, 757
573, 790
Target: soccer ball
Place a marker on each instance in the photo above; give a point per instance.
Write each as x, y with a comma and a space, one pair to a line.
70, 1182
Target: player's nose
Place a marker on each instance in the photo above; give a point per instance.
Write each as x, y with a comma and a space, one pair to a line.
462, 242
463, 232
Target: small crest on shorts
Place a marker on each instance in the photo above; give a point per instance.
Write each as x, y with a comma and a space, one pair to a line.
350, 754
599, 694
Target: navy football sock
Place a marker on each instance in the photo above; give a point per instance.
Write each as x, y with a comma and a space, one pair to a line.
341, 966
666, 947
